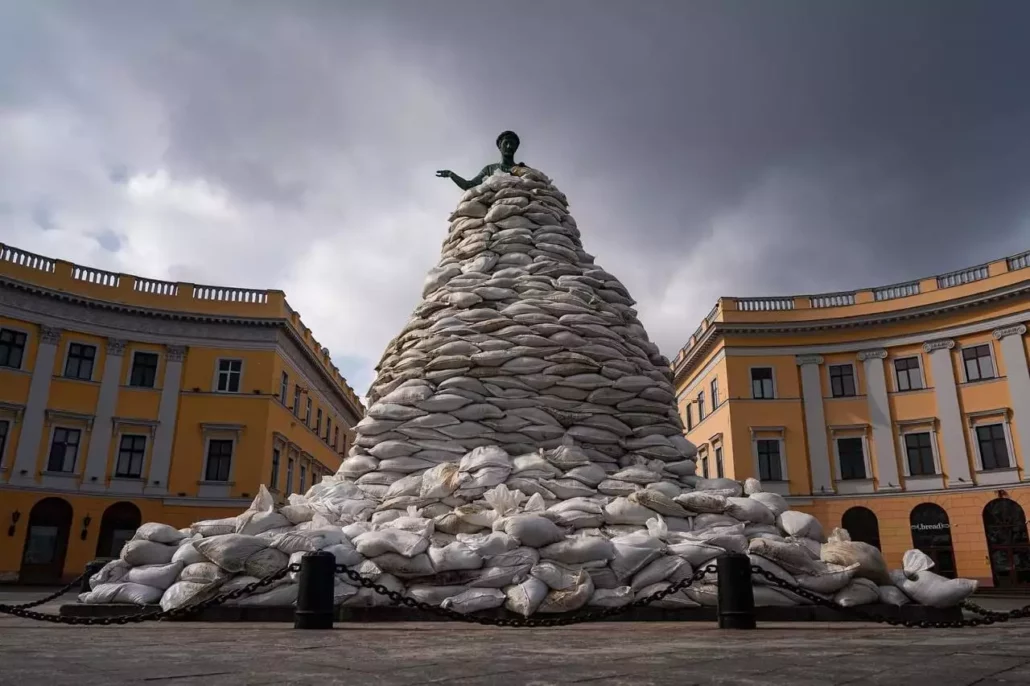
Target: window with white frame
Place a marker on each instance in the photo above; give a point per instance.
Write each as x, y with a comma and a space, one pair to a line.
977, 362
229, 375
919, 454
303, 477
131, 450
851, 454
907, 373
5, 428
718, 462
762, 383
79, 364
992, 446
296, 400
64, 449
690, 416
307, 413
318, 421
144, 369
714, 387
274, 481
336, 436
770, 461
289, 475
219, 459
701, 406
703, 458
842, 381
12, 348
284, 387
328, 428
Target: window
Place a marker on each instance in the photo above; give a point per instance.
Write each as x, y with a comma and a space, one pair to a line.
303, 477
762, 383
5, 427
307, 413
704, 466
770, 468
690, 416
284, 387
919, 452
701, 406
144, 370
131, 450
274, 483
289, 475
978, 363
328, 428
219, 458
296, 400
80, 361
318, 421
63, 450
715, 393
906, 370
852, 458
842, 380
12, 348
229, 373
718, 462
336, 436
994, 449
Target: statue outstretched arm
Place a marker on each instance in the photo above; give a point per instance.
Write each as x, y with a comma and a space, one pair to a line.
462, 183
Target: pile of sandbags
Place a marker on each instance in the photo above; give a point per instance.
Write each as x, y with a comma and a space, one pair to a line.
523, 449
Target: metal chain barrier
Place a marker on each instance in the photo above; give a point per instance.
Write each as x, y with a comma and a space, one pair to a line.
53, 596
865, 615
590, 616
177, 613
1018, 613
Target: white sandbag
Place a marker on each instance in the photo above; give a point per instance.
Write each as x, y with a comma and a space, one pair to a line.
915, 560
498, 576
534, 462
727, 487
434, 595
265, 563
155, 576
297, 514
633, 552
404, 567
703, 594
367, 597
188, 554
590, 475
658, 570
158, 533
214, 527
625, 511
407, 485
183, 593
489, 544
657, 501
441, 481
578, 550
749, 510
352, 531
752, 486
526, 597
230, 551
571, 599
411, 522
666, 488
701, 502
792, 557
112, 572
771, 596
139, 553
474, 600
617, 488
283, 595
557, 576
858, 592
637, 475
774, 501
309, 540
768, 565
892, 595
406, 543
122, 592
612, 597
927, 588
681, 468
254, 522
800, 525
709, 520
487, 456
530, 530
454, 556
869, 559
673, 601
829, 580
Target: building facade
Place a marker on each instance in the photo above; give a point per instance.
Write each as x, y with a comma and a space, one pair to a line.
125, 400
901, 412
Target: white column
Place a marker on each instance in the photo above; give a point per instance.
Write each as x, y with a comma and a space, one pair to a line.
161, 455
880, 419
815, 424
955, 453
35, 407
94, 478
1018, 375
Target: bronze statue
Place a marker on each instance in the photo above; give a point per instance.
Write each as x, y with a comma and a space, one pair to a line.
507, 143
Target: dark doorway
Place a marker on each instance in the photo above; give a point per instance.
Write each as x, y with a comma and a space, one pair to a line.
863, 526
931, 533
46, 542
1008, 545
117, 526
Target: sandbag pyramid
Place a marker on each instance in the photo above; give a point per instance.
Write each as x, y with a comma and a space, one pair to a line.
522, 448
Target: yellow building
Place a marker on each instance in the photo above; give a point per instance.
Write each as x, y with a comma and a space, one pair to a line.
125, 399
900, 412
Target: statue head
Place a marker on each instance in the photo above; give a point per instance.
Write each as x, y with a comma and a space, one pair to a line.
508, 142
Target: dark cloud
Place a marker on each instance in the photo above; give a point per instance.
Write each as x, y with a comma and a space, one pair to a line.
708, 147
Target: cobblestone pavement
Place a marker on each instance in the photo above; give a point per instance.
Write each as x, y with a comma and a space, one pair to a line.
639, 654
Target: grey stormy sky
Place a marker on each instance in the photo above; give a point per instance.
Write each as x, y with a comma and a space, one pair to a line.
708, 147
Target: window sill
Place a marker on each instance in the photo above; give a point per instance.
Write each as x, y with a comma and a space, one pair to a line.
17, 370
131, 479
979, 382
47, 472
924, 482
778, 487
73, 379
141, 388
996, 477
216, 483
842, 397
854, 486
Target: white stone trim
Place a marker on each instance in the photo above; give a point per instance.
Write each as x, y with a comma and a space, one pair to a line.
1017, 330
751, 381
218, 373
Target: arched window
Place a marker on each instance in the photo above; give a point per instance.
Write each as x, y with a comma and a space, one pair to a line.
862, 524
46, 542
117, 526
931, 533
1008, 545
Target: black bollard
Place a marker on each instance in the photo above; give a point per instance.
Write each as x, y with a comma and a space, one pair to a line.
736, 597
92, 567
315, 595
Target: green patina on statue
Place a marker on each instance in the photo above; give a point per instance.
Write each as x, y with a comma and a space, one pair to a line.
507, 143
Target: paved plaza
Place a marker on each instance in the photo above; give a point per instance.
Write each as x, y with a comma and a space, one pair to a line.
639, 654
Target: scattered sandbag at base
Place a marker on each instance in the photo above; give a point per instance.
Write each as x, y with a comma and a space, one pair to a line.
367, 597
933, 590
892, 595
112, 572
612, 597
570, 599
525, 598
122, 592
474, 600
857, 592
155, 576
279, 596
869, 559
183, 593
204, 573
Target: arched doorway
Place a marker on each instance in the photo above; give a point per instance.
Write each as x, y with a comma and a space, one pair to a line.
931, 533
117, 526
46, 542
1008, 545
862, 524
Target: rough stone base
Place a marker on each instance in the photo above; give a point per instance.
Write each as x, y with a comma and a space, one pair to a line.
800, 613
